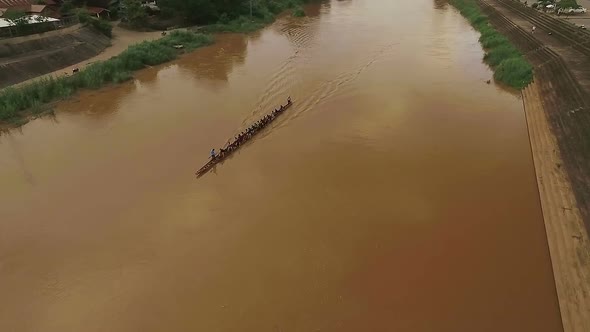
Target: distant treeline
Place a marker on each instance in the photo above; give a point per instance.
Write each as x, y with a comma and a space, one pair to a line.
225, 11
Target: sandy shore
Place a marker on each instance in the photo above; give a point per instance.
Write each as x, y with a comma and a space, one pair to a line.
567, 237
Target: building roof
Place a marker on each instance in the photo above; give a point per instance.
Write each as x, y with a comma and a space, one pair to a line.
96, 10
14, 3
31, 19
37, 8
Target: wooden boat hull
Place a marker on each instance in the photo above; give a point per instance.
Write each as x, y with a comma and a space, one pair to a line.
211, 163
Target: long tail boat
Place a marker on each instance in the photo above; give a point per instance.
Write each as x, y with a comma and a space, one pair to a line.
236, 144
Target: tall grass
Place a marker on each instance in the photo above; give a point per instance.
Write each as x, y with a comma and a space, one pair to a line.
14, 102
510, 67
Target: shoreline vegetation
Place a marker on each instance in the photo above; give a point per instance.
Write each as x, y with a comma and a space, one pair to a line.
509, 65
19, 104
16, 103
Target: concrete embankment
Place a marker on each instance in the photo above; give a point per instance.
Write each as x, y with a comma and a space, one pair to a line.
555, 106
27, 57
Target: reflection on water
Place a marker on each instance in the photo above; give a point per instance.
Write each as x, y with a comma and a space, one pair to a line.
216, 63
17, 153
397, 194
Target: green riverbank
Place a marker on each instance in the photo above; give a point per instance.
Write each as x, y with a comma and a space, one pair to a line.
19, 104
509, 65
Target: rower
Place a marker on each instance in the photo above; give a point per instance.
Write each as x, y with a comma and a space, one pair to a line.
289, 100
213, 154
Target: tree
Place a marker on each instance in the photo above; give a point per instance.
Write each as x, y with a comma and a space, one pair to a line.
196, 11
66, 8
133, 12
568, 4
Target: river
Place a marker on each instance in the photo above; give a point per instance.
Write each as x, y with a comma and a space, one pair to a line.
397, 194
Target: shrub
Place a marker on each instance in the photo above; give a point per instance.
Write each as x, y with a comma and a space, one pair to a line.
500, 53
515, 72
83, 16
224, 18
103, 26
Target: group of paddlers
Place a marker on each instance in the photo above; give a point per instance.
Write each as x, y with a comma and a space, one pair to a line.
243, 137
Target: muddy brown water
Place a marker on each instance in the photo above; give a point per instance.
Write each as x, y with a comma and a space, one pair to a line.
397, 194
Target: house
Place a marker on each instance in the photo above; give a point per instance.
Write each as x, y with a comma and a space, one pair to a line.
50, 8
101, 8
42, 10
99, 12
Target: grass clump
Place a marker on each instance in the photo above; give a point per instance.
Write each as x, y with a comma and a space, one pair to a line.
189, 40
510, 67
14, 102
